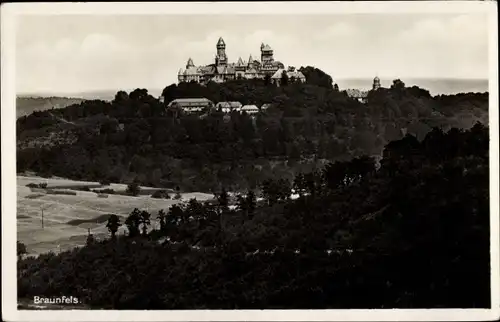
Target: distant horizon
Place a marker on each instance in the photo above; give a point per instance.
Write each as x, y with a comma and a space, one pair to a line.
386, 82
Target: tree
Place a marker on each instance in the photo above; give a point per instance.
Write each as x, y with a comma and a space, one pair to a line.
315, 76
251, 201
334, 174
133, 221
21, 250
294, 153
283, 188
145, 221
162, 217
299, 184
241, 203
194, 210
284, 79
275, 190
398, 84
120, 97
267, 80
90, 238
105, 182
312, 183
160, 194
133, 188
176, 214
113, 225
223, 199
177, 193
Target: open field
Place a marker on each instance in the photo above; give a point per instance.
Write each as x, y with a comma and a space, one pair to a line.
68, 217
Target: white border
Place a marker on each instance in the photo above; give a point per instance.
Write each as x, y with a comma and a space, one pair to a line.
9, 288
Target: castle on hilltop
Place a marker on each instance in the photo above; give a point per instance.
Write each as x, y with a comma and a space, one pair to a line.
222, 71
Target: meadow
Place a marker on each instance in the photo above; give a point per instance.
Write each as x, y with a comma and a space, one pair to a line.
67, 218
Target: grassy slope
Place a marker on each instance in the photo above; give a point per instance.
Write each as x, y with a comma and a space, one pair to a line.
60, 210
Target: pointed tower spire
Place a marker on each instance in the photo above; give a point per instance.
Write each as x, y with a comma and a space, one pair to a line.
250, 60
189, 63
221, 43
240, 62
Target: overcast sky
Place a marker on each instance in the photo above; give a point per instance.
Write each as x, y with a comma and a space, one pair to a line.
72, 54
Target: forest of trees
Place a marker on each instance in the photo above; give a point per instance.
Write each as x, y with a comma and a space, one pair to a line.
393, 206
409, 231
134, 138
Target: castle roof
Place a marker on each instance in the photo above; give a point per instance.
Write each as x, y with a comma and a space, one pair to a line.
190, 63
209, 69
192, 71
295, 74
240, 62
251, 71
225, 70
221, 42
278, 73
265, 48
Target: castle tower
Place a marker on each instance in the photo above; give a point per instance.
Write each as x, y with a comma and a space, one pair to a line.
189, 63
250, 61
221, 58
376, 83
266, 53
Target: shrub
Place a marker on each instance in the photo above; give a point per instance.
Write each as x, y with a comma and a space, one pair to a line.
105, 182
42, 185
133, 189
108, 190
161, 194
61, 192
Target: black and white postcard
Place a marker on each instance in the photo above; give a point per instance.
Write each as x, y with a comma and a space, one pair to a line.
250, 161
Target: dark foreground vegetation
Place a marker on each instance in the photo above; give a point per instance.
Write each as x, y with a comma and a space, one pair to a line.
413, 233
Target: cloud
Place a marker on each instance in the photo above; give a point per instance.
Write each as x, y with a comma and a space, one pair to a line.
464, 30
102, 45
338, 30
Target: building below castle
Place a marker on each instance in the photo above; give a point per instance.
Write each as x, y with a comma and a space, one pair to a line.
221, 70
